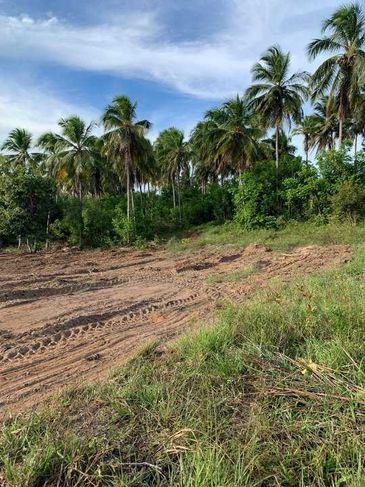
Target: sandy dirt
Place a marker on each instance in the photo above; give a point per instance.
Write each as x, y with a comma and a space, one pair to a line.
72, 316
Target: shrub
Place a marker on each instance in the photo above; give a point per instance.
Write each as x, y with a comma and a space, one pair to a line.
124, 228
27, 202
98, 217
349, 201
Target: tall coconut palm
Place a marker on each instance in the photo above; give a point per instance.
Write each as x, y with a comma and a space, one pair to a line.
19, 143
124, 139
48, 143
172, 155
207, 135
203, 153
307, 130
276, 95
70, 155
343, 72
74, 148
236, 135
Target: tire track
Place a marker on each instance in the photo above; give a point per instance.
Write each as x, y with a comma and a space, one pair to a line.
69, 318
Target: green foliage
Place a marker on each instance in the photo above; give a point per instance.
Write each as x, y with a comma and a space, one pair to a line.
255, 197
300, 191
305, 194
259, 197
349, 201
69, 226
124, 227
26, 201
336, 165
98, 220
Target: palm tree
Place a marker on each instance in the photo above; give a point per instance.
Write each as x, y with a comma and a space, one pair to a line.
205, 139
70, 155
74, 148
226, 141
277, 97
236, 136
344, 71
285, 147
325, 123
125, 139
172, 155
19, 143
48, 143
203, 153
307, 130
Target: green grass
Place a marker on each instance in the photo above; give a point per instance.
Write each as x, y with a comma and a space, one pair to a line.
293, 235
272, 394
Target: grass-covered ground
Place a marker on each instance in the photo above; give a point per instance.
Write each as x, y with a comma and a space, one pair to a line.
271, 394
293, 235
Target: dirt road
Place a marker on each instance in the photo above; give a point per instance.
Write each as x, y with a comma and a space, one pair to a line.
72, 316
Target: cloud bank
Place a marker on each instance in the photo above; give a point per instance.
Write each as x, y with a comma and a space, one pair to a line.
156, 41
137, 44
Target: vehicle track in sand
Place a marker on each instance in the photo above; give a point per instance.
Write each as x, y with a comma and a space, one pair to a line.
70, 317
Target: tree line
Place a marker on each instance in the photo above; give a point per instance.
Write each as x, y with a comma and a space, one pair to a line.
66, 183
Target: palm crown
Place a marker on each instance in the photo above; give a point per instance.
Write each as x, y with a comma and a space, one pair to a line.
276, 95
344, 71
19, 143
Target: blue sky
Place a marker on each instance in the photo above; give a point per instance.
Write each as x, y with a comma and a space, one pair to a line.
177, 58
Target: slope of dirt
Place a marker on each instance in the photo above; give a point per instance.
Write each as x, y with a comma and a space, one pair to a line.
72, 316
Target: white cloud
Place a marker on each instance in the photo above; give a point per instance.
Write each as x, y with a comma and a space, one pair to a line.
136, 45
34, 108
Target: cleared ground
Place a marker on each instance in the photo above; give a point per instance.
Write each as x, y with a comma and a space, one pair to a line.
72, 316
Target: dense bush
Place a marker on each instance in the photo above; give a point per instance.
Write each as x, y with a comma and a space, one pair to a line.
349, 201
27, 203
302, 191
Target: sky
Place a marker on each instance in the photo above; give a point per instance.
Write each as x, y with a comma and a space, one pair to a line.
176, 58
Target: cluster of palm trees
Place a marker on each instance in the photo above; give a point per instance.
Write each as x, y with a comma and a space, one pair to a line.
229, 139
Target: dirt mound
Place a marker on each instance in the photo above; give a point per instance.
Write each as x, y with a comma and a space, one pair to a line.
72, 316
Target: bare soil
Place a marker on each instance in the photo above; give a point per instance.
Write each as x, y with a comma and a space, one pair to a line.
70, 317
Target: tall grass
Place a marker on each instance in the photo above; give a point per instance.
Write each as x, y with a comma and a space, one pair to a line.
272, 394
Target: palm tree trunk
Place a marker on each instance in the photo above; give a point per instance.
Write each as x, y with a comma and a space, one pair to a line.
81, 216
179, 197
277, 148
173, 193
141, 197
47, 229
340, 132
132, 202
127, 168
355, 149
306, 148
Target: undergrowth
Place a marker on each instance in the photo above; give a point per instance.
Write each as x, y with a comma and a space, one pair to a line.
272, 394
292, 235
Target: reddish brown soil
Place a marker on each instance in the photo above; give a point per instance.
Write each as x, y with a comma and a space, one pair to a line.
72, 316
